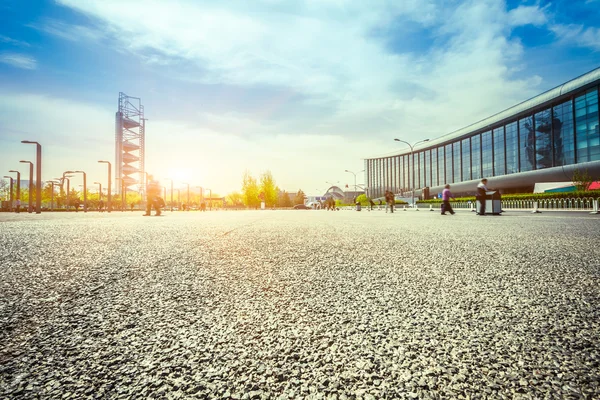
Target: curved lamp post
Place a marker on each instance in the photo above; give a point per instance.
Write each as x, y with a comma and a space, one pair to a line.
412, 157
29, 206
18, 199
84, 187
108, 205
11, 191
38, 173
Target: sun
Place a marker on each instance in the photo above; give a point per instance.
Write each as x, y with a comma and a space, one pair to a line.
180, 174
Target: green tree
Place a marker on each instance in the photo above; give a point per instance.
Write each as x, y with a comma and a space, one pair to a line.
267, 186
235, 199
582, 179
250, 190
299, 198
284, 200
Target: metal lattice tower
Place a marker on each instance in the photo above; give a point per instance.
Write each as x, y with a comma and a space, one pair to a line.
129, 143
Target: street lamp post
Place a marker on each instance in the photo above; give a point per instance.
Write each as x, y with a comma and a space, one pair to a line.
171, 193
108, 205
52, 196
11, 191
178, 199
29, 206
210, 199
68, 179
38, 173
84, 187
412, 157
188, 196
18, 199
99, 192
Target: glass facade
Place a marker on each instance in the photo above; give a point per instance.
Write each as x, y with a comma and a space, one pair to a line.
476, 157
449, 164
487, 155
434, 168
499, 152
563, 134
512, 148
456, 160
466, 159
587, 136
560, 133
441, 166
543, 139
526, 144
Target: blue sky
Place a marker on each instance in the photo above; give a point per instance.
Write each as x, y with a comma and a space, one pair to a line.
302, 88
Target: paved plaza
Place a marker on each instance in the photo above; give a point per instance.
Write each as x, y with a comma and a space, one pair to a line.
299, 304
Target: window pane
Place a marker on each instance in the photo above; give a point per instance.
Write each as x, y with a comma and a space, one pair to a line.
427, 169
449, 164
543, 140
499, 157
526, 144
434, 167
441, 166
466, 159
512, 148
476, 157
456, 161
587, 134
486, 154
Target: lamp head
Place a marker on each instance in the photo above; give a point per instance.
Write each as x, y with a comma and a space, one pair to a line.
97, 183
29, 142
27, 162
12, 170
8, 176
397, 140
426, 140
80, 172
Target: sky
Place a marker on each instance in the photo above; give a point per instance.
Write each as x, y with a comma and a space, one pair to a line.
304, 89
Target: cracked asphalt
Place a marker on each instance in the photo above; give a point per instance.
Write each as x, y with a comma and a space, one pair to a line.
299, 304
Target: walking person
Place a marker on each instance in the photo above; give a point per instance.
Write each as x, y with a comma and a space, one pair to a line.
152, 197
390, 200
481, 191
446, 196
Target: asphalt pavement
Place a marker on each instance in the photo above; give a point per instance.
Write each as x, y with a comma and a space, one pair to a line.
300, 304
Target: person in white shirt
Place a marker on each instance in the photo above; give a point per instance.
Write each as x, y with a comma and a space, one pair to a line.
481, 189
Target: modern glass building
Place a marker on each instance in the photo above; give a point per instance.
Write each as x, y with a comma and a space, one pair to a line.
544, 139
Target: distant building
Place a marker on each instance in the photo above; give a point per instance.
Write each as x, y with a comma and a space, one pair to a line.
544, 139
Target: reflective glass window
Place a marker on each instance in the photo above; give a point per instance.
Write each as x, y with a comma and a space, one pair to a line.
487, 155
449, 164
543, 139
476, 157
441, 166
421, 171
434, 167
526, 144
587, 135
427, 169
563, 134
466, 159
456, 161
407, 178
499, 156
512, 148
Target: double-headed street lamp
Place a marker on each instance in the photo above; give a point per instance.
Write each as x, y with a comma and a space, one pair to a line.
108, 205
188, 196
355, 177
84, 187
169, 179
18, 199
209, 199
99, 192
52, 195
38, 173
29, 206
412, 157
11, 191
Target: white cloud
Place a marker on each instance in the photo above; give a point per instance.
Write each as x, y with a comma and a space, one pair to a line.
17, 60
66, 31
578, 34
327, 52
14, 42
